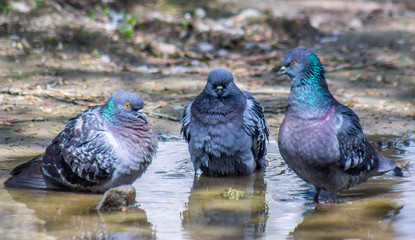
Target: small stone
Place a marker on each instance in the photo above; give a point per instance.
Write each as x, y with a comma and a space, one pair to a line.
265, 46
355, 23
117, 198
105, 58
163, 49
178, 69
195, 63
147, 69
200, 13
14, 37
187, 16
223, 52
21, 6
250, 16
205, 47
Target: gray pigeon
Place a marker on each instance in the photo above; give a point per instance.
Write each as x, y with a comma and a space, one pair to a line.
104, 147
320, 139
225, 128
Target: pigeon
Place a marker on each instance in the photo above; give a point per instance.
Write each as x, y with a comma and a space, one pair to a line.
225, 128
104, 147
320, 139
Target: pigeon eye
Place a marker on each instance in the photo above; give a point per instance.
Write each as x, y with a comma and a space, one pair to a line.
293, 63
127, 105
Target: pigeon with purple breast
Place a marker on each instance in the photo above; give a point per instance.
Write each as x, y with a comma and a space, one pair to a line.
225, 128
104, 147
320, 139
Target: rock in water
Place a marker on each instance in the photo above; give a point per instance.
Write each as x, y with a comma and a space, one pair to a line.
118, 198
320, 139
104, 147
225, 128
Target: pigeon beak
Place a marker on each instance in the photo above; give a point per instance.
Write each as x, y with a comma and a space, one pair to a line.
141, 114
281, 71
219, 90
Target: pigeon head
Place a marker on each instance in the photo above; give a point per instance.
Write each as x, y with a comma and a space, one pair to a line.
303, 67
124, 104
220, 83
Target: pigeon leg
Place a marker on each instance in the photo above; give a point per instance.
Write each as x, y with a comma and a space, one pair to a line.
316, 195
332, 197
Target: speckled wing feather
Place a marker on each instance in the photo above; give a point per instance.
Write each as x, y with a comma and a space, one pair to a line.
356, 153
82, 154
186, 122
255, 125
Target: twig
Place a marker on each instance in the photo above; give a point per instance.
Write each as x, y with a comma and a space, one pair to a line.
162, 116
10, 122
60, 95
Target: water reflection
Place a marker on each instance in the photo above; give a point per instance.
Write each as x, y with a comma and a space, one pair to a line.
404, 226
179, 206
362, 219
210, 215
376, 209
73, 216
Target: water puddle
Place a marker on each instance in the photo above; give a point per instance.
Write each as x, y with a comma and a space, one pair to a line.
176, 204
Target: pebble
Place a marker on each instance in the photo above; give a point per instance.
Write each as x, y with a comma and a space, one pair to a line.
205, 47
200, 13
249, 16
105, 58
118, 198
164, 49
223, 52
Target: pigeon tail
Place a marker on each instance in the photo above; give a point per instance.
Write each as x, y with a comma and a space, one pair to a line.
397, 172
388, 166
29, 175
385, 164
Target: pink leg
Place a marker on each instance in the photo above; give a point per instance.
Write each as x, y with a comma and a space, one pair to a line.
331, 200
316, 195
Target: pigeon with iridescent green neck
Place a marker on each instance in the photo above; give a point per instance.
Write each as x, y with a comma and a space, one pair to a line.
104, 147
320, 139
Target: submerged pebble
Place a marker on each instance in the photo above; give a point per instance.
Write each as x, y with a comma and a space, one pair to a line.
118, 198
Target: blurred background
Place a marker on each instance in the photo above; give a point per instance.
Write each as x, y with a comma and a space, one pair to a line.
58, 57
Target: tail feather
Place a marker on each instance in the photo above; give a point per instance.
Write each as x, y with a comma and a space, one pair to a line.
32, 163
386, 164
29, 175
397, 172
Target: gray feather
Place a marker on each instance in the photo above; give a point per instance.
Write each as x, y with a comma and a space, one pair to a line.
104, 147
320, 139
225, 128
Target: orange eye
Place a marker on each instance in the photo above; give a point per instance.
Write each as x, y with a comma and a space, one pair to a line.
293, 63
127, 105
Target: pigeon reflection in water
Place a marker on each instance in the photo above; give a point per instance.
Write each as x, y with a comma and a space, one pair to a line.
211, 210
73, 216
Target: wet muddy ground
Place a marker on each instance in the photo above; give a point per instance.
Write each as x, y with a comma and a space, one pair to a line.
57, 61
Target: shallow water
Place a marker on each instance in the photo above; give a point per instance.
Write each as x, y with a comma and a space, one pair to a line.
176, 204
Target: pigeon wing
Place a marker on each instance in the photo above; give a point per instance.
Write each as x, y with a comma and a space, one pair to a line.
356, 153
82, 154
255, 125
186, 122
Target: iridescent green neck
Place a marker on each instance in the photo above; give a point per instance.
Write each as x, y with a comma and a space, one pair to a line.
108, 111
314, 74
312, 94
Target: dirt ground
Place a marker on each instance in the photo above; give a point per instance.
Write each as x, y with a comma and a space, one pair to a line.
58, 58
